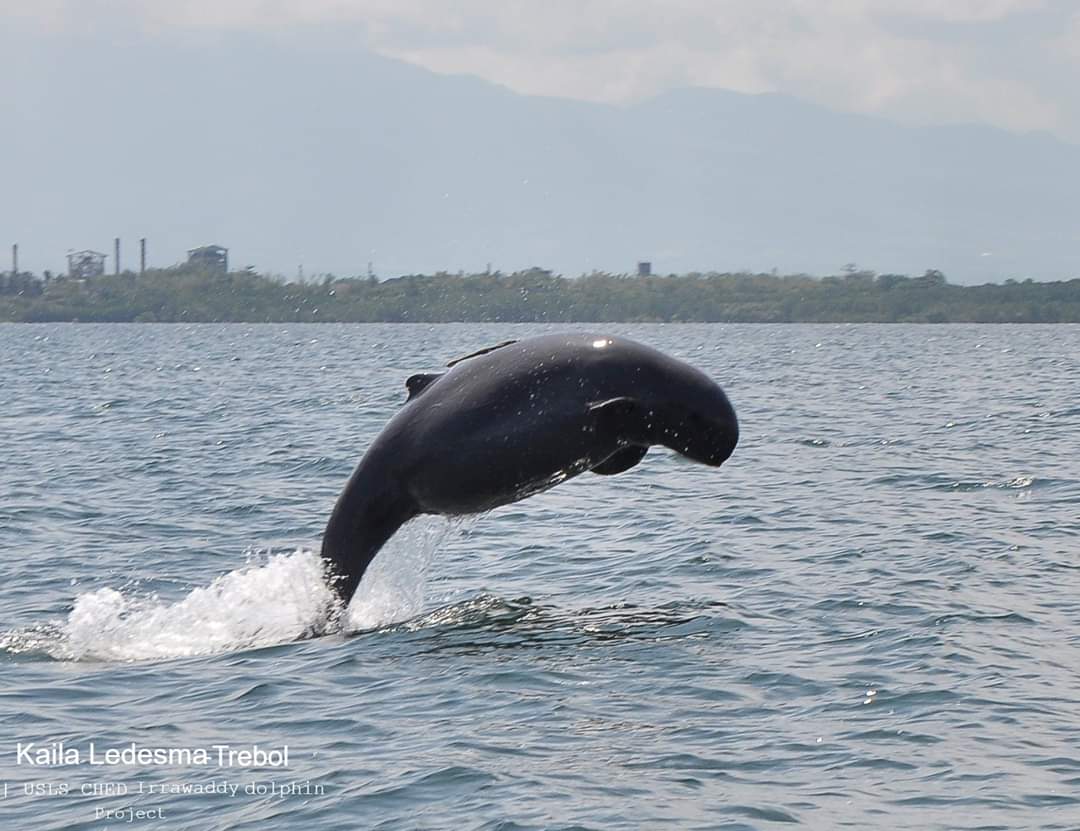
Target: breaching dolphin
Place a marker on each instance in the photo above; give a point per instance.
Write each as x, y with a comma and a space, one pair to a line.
516, 419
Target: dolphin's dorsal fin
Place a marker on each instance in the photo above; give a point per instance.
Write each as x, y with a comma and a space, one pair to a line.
479, 352
416, 384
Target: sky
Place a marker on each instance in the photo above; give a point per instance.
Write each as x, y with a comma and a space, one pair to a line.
1008, 63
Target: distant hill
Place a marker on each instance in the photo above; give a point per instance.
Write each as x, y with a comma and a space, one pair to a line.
309, 150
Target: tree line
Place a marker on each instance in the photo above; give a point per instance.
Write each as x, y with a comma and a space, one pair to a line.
183, 294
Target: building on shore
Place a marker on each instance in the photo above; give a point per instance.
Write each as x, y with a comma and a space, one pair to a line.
83, 265
212, 258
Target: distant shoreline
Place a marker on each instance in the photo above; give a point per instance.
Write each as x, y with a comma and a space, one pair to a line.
525, 323
535, 295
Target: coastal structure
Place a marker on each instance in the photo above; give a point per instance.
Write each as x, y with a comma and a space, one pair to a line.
213, 258
84, 265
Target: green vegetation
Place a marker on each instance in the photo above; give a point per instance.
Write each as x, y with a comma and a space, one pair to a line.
181, 295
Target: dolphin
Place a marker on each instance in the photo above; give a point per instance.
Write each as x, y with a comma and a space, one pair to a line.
513, 420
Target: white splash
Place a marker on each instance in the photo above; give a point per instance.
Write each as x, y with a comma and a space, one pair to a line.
259, 605
282, 598
394, 586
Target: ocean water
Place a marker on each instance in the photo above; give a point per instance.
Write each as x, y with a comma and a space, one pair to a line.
868, 618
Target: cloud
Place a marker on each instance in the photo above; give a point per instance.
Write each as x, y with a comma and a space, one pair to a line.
920, 61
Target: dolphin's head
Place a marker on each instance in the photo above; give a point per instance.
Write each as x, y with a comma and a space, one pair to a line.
672, 404
695, 418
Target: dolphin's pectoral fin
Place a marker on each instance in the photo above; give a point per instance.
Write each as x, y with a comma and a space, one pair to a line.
621, 460
480, 352
624, 419
416, 384
622, 407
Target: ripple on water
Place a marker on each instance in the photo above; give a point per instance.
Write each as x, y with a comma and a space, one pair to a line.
866, 618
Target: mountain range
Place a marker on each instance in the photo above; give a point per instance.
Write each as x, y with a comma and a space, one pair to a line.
308, 151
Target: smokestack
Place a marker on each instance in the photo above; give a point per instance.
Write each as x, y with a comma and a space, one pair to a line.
15, 260
116, 255
142, 255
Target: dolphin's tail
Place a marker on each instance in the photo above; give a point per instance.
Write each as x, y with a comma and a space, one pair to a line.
364, 518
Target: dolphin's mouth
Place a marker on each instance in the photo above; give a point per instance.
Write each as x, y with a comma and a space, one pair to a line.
707, 444
727, 446
712, 456
715, 458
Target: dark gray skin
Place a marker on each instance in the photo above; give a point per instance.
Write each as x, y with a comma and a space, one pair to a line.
517, 419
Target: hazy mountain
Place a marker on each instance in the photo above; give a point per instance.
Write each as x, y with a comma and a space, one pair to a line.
308, 150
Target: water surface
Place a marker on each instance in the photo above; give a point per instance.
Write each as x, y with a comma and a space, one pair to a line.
866, 619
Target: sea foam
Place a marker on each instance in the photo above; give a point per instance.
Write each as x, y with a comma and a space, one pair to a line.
273, 599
